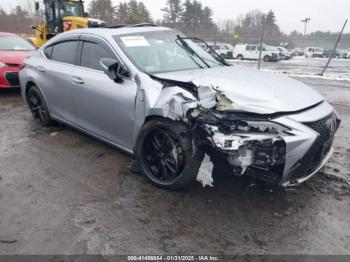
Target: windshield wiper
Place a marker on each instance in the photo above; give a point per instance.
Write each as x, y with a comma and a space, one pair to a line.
191, 51
215, 55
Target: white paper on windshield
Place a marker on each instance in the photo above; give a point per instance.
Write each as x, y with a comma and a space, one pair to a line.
134, 41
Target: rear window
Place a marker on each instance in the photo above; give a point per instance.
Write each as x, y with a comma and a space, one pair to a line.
64, 52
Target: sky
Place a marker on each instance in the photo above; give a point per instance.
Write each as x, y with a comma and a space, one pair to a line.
326, 15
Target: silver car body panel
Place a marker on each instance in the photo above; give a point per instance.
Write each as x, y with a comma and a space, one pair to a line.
116, 112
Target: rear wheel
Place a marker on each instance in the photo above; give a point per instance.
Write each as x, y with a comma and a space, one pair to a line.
38, 106
266, 58
166, 154
240, 57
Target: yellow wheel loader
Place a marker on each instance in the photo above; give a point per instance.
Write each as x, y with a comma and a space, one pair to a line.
60, 16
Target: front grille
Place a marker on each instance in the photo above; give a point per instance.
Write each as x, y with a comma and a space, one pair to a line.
313, 158
12, 78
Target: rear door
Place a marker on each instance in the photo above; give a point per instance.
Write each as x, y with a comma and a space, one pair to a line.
55, 75
104, 107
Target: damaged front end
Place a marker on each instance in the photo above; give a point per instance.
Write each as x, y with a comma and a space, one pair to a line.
239, 142
279, 149
242, 144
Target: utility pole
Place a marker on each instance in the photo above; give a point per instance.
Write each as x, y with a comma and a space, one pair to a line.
305, 21
335, 47
261, 40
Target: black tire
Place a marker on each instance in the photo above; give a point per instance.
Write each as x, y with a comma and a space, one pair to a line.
167, 155
223, 56
240, 57
38, 106
267, 58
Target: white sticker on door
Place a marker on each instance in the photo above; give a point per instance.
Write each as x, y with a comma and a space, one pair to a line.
134, 41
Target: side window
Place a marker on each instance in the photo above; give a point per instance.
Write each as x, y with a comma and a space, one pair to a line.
247, 48
91, 55
253, 47
65, 52
48, 52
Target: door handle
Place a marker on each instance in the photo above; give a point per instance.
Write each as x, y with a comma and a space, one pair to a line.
77, 80
40, 69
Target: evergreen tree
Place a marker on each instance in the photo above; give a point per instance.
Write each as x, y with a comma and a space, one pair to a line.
172, 12
144, 13
122, 13
138, 13
102, 9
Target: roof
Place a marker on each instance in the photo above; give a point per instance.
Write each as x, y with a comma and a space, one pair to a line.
117, 31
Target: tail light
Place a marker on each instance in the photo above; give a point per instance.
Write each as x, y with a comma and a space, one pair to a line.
67, 25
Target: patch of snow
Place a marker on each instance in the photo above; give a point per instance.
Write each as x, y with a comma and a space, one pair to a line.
205, 172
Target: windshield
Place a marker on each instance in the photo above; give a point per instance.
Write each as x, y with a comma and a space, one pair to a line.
164, 51
71, 9
14, 43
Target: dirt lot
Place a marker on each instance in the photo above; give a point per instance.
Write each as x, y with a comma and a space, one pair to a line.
62, 192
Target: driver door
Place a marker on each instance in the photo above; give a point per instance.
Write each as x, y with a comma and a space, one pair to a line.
104, 108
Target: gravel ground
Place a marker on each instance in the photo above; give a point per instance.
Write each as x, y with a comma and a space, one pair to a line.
62, 192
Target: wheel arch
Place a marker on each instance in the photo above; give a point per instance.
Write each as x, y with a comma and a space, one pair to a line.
28, 85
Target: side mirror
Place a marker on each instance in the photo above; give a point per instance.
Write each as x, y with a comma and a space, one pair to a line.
114, 69
37, 6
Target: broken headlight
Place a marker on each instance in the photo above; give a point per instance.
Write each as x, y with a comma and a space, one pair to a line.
250, 142
251, 126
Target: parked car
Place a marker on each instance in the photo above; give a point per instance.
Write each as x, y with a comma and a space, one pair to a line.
158, 95
328, 52
343, 53
314, 52
13, 49
285, 54
298, 52
251, 52
222, 49
230, 48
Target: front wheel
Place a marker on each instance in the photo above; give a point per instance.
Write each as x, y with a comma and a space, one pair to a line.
223, 56
167, 155
38, 107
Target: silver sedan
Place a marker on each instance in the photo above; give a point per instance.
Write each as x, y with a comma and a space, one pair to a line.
160, 96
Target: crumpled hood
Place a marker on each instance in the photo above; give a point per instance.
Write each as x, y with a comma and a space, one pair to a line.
252, 90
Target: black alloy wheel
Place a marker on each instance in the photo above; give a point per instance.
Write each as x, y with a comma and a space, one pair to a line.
38, 107
168, 154
164, 156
